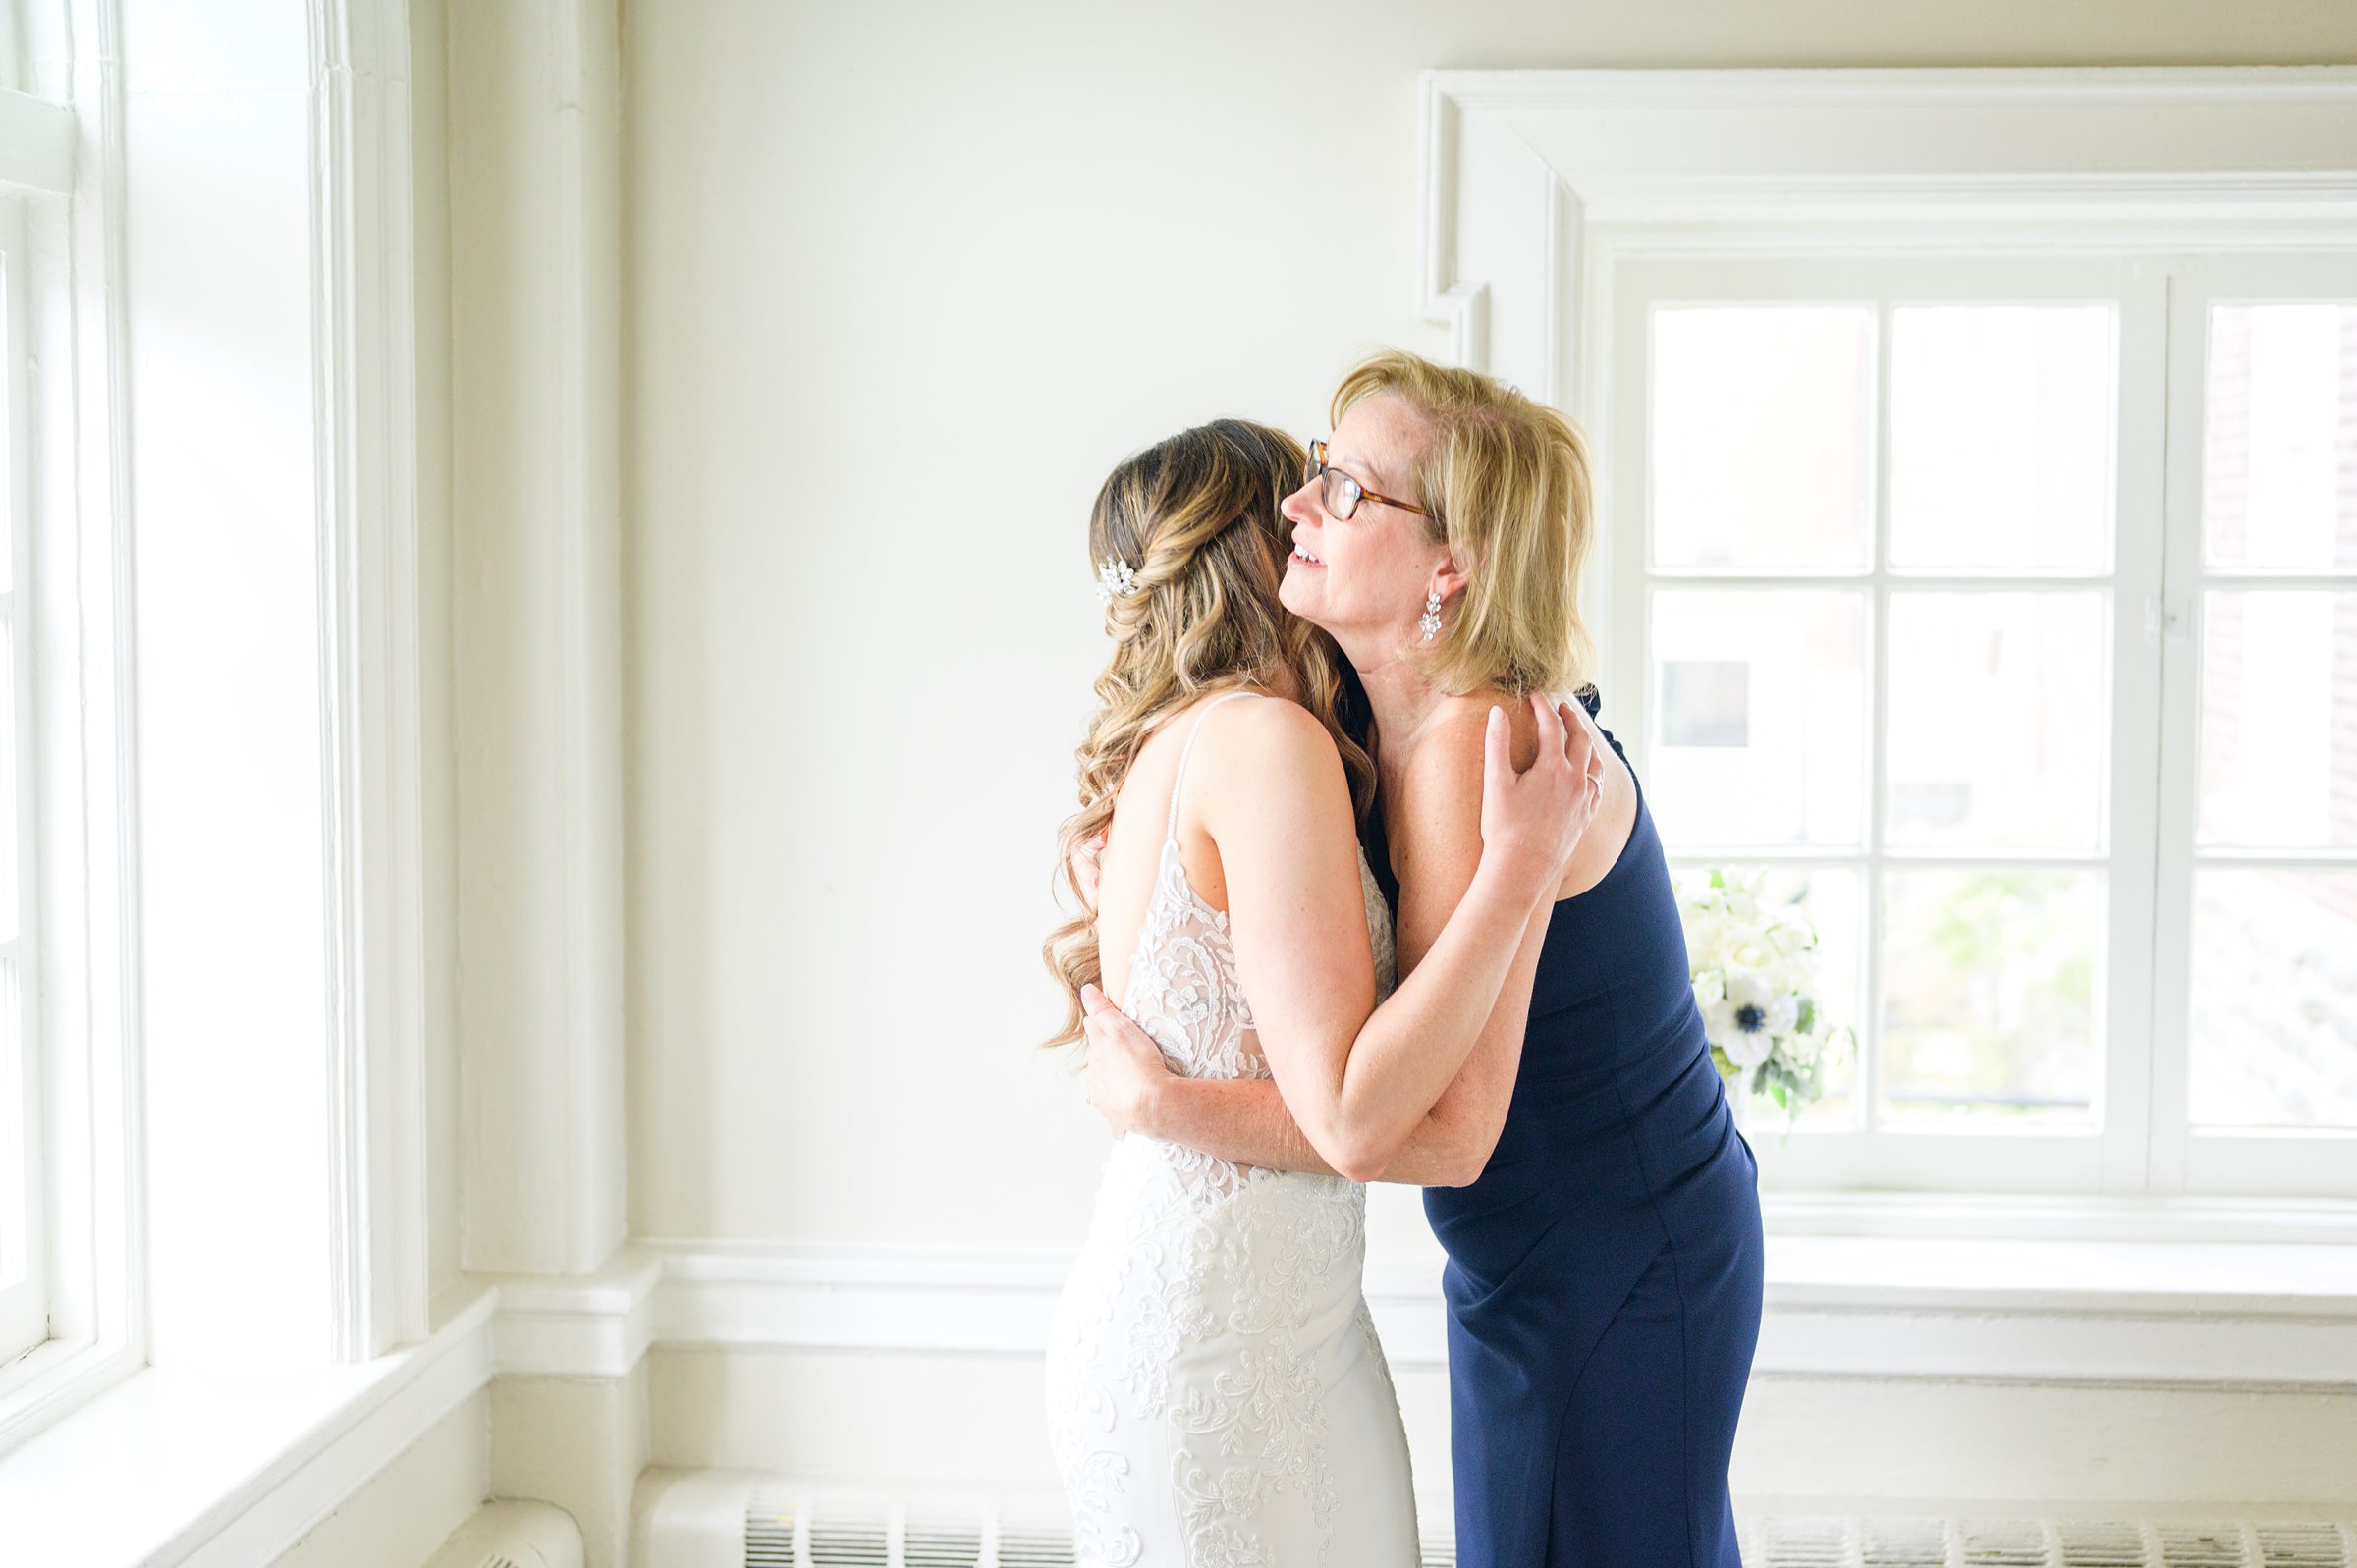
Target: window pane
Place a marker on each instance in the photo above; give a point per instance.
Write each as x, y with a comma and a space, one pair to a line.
2000, 437
2275, 1000
2279, 718
1833, 900
1760, 716
2279, 466
1760, 436
1989, 996
1999, 718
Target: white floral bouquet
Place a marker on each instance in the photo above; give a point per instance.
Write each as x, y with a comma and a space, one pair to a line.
1753, 963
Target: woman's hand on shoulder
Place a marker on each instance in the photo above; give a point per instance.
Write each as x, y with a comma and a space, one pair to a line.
1532, 817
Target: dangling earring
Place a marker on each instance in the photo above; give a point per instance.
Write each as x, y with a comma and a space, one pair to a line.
1430, 625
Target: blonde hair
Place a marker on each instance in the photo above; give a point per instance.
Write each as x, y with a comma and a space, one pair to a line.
1196, 519
1506, 482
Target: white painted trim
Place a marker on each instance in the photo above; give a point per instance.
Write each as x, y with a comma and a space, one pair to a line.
1642, 144
25, 1206
2186, 1311
113, 1482
1460, 308
81, 593
2218, 1159
1976, 1303
365, 413
37, 145
2006, 1217
2146, 158
412, 1389
593, 1326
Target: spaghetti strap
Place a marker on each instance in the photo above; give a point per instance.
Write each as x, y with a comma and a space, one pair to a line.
1170, 832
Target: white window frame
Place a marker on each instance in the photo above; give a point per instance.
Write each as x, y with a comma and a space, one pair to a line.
24, 1304
60, 176
62, 150
2055, 1159
1547, 192
2187, 1159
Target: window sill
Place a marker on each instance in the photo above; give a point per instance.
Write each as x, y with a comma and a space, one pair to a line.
2063, 1311
2079, 1290
2110, 1293
227, 1466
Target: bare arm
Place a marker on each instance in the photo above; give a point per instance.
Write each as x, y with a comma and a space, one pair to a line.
1244, 1120
1418, 1093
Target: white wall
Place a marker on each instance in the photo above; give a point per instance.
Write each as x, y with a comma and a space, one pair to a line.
904, 282
901, 283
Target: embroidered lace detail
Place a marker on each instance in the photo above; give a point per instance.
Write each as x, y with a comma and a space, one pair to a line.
1189, 1374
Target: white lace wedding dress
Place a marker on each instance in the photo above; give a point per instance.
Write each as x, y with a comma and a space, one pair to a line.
1216, 1394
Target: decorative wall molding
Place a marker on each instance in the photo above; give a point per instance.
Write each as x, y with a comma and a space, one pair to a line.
1521, 169
2056, 1311
596, 1326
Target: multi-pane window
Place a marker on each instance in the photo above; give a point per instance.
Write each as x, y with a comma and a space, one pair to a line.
1902, 559
2262, 876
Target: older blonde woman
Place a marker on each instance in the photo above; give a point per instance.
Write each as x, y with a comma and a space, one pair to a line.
1216, 1393
1604, 1277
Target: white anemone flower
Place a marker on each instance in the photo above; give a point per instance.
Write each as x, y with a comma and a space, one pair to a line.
1756, 1012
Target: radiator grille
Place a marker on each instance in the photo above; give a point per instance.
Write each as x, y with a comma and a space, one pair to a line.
800, 1533
1772, 1542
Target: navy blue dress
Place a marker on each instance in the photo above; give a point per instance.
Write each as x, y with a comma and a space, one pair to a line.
1604, 1273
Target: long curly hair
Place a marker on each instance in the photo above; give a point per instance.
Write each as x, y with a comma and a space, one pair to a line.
1195, 518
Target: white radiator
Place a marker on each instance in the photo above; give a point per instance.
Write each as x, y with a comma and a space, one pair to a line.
1784, 1542
729, 1519
512, 1534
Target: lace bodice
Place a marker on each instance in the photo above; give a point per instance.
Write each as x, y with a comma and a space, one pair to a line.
1182, 989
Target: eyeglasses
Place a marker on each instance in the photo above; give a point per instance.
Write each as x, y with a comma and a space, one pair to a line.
1343, 493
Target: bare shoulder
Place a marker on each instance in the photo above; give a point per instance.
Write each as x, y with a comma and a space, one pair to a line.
1445, 765
1265, 732
1447, 746
1440, 781
1436, 816
1272, 794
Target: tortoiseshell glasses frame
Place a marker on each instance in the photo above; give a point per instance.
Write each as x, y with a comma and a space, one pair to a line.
1343, 493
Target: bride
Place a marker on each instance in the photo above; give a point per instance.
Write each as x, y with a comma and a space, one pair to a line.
1216, 1394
